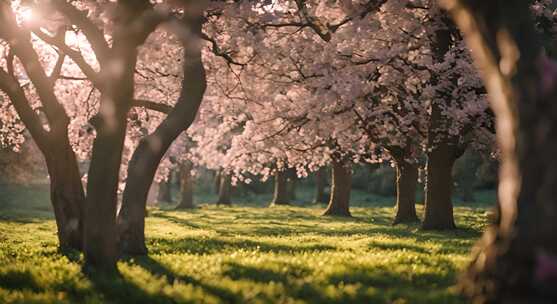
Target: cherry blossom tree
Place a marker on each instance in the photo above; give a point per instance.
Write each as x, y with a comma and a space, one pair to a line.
113, 33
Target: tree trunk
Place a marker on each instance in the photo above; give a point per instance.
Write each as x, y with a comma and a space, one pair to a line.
148, 155
165, 189
66, 194
515, 262
117, 93
102, 184
438, 190
216, 182
320, 184
281, 195
339, 203
66, 190
225, 189
406, 185
292, 182
186, 187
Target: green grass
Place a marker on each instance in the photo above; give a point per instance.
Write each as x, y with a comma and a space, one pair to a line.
243, 254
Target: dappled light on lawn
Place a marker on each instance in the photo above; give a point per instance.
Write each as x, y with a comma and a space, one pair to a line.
246, 254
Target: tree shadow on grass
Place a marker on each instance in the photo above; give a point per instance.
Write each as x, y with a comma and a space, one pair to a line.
443, 275
115, 288
19, 280
177, 220
406, 287
156, 268
297, 289
216, 245
397, 246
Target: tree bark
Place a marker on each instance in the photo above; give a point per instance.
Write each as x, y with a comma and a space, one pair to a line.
441, 147
102, 185
438, 207
406, 185
515, 260
281, 195
66, 190
148, 155
320, 184
292, 183
339, 203
216, 181
117, 93
165, 189
225, 189
186, 187
66, 194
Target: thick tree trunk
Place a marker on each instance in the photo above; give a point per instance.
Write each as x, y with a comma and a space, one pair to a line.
186, 187
281, 195
320, 184
102, 184
165, 189
406, 185
66, 194
225, 190
441, 149
148, 155
439, 188
515, 262
100, 233
339, 203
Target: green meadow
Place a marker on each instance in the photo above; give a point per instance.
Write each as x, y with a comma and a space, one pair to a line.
248, 253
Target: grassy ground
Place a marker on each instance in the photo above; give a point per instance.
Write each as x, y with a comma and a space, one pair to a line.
244, 254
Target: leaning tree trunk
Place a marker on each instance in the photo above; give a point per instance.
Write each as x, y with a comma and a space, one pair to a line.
66, 194
186, 187
148, 155
339, 203
66, 191
406, 185
225, 189
438, 210
320, 184
515, 262
281, 195
165, 189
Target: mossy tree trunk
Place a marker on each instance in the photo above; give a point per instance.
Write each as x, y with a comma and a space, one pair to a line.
281, 195
339, 203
